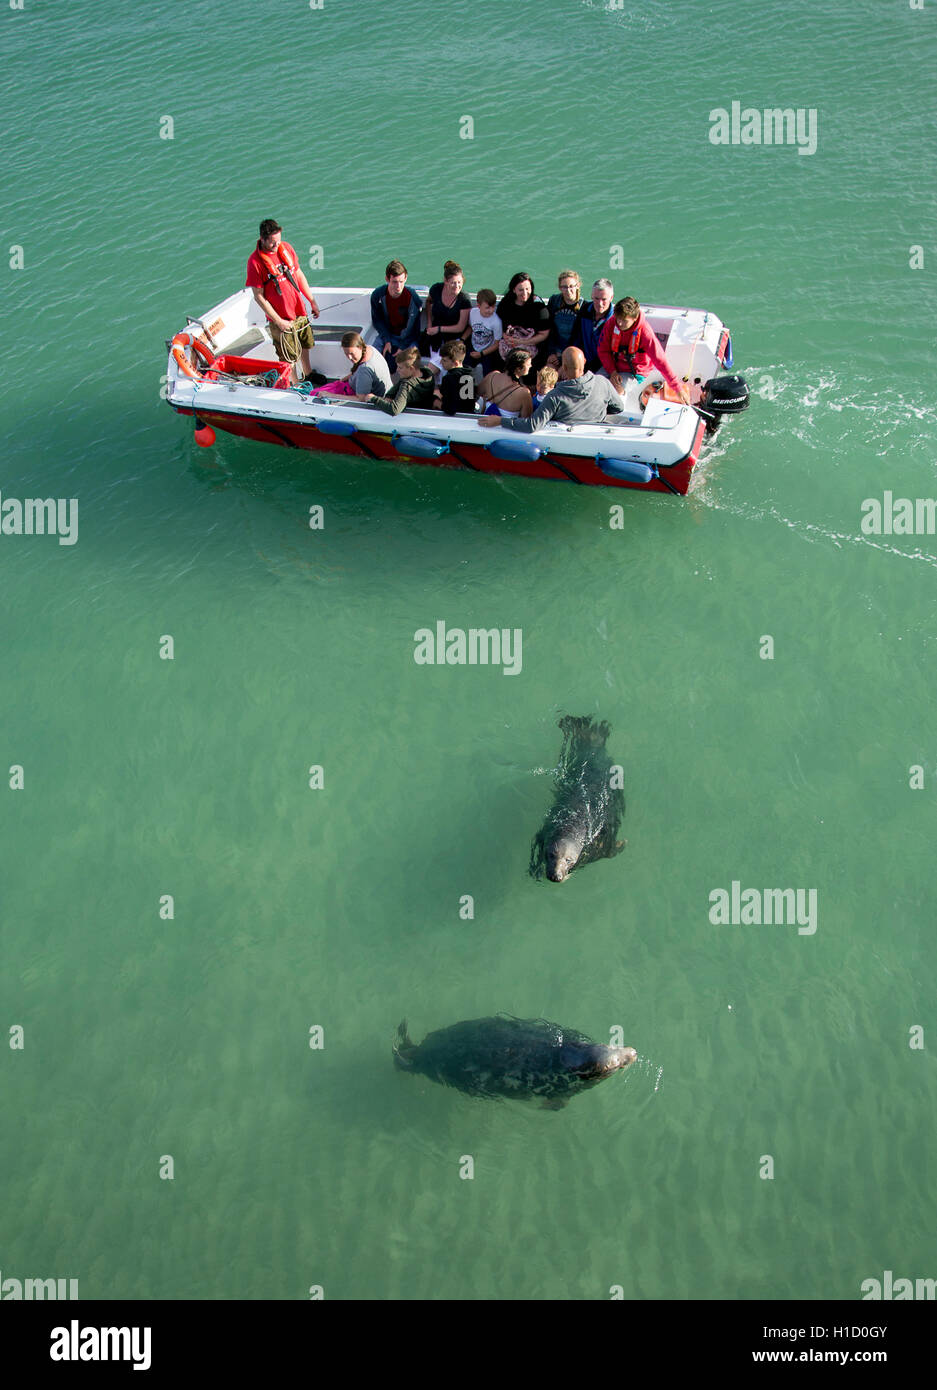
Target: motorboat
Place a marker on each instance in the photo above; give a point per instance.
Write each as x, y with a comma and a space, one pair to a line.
223, 371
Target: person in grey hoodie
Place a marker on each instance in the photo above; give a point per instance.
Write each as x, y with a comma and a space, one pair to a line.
580, 398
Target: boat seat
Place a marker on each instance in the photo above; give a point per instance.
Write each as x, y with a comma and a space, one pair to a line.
241, 346
334, 332
324, 333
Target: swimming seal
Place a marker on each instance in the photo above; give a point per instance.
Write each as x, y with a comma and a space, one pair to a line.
583, 822
516, 1058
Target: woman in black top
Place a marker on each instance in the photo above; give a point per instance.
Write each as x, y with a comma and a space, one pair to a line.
447, 310
524, 320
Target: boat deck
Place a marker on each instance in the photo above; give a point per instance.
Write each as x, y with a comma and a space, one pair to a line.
663, 438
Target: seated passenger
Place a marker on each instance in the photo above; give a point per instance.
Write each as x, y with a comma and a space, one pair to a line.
505, 391
413, 387
547, 377
447, 310
370, 374
629, 347
485, 329
456, 388
563, 309
525, 322
581, 398
590, 321
395, 313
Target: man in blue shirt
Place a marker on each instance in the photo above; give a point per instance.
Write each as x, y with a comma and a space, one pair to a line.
591, 320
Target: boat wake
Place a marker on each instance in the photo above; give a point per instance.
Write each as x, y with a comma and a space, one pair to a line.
801, 410
809, 530
652, 14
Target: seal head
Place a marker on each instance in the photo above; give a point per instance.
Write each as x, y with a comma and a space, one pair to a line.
562, 856
593, 1063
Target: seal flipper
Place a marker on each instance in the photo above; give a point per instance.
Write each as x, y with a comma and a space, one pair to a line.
611, 846
402, 1041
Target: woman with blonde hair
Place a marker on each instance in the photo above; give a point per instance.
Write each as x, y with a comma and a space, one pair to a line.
563, 309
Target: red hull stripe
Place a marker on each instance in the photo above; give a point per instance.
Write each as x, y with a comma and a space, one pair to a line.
474, 456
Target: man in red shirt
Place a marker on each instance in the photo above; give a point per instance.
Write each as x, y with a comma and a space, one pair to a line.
278, 282
629, 347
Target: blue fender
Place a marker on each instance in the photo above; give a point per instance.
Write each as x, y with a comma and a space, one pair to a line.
421, 446
627, 469
729, 359
342, 427
515, 450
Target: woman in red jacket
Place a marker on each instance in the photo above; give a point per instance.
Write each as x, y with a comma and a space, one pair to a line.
629, 347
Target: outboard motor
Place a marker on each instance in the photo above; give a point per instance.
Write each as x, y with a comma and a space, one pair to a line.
723, 395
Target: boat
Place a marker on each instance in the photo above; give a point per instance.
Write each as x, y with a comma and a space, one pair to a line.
223, 370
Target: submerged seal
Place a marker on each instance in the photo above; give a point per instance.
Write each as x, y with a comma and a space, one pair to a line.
583, 822
521, 1058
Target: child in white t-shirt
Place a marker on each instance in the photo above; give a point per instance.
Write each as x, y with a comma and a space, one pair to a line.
486, 330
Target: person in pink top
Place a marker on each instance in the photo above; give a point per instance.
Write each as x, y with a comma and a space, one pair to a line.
629, 346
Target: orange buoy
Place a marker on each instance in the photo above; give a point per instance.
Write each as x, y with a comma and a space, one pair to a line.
205, 436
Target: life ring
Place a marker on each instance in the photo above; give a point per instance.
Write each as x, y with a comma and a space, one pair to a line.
178, 346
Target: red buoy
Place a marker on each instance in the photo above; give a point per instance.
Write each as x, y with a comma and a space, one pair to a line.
205, 436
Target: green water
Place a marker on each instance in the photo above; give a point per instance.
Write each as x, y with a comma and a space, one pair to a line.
339, 907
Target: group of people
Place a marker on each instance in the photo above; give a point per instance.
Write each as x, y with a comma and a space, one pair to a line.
520, 360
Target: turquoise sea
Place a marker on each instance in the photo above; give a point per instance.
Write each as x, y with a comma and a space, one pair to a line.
148, 1038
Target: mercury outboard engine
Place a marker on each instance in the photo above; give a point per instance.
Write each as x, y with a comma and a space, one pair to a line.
723, 395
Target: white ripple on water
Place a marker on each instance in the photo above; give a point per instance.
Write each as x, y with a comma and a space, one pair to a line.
887, 409
886, 412
650, 15
643, 1079
809, 530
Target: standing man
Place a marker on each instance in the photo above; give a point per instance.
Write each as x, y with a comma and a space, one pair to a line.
278, 282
